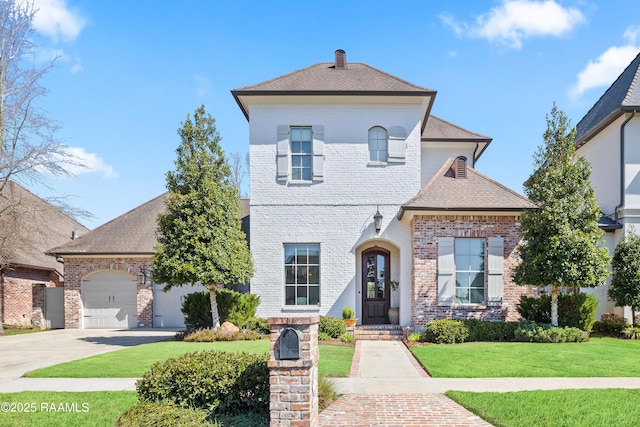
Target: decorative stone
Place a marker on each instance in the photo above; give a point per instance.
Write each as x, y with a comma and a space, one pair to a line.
229, 327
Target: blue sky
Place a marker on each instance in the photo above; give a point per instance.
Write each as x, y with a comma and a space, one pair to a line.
129, 72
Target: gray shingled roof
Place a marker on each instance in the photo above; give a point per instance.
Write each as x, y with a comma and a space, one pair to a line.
325, 79
623, 95
442, 130
133, 233
43, 225
476, 192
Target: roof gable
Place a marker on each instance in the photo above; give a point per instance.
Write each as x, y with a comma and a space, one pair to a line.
476, 192
622, 95
41, 226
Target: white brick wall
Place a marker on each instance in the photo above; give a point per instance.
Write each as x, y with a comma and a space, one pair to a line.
337, 213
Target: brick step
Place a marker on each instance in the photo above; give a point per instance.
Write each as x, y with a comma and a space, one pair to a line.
379, 332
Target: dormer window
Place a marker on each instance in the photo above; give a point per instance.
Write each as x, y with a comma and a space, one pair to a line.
378, 144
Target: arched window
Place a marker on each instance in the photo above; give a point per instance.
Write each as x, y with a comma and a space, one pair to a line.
378, 144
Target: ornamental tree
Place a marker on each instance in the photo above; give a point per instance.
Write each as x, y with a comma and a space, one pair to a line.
624, 289
561, 238
199, 234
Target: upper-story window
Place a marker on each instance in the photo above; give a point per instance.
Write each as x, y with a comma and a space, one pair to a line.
301, 153
378, 144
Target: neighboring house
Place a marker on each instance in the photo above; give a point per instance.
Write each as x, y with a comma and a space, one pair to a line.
109, 277
355, 184
608, 136
31, 286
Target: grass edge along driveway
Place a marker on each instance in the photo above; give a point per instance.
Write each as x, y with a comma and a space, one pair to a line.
598, 357
133, 362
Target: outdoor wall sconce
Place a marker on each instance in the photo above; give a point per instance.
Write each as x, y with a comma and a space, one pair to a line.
142, 277
377, 220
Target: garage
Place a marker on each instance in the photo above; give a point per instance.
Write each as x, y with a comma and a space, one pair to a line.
109, 300
167, 306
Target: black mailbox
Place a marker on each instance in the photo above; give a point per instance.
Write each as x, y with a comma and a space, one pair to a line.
289, 344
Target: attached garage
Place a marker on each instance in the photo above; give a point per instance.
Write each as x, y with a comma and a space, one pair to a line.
167, 306
109, 300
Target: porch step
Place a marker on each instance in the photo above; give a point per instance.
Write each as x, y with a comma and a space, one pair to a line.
379, 332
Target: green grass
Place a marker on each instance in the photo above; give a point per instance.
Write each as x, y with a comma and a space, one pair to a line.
85, 409
599, 357
133, 362
583, 407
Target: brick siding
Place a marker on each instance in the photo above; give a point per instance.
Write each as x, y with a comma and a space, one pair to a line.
23, 292
426, 229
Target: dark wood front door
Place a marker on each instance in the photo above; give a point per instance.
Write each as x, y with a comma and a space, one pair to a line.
375, 286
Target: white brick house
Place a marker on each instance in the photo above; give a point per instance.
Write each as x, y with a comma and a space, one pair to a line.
608, 137
336, 145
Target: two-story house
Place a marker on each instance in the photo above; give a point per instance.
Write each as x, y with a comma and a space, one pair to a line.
608, 136
356, 186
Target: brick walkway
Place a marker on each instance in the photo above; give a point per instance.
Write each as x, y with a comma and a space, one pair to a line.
397, 409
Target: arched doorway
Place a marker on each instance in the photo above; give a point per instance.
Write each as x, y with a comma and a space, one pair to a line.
375, 286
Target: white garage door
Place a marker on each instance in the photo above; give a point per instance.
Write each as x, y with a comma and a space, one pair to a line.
109, 300
167, 306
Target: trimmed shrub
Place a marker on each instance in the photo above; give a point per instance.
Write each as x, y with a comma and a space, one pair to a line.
414, 337
216, 381
445, 331
348, 313
332, 326
147, 414
545, 333
613, 318
236, 307
631, 333
574, 310
257, 324
609, 328
196, 308
348, 338
480, 330
211, 335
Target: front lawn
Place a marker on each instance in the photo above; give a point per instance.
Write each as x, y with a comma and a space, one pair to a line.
133, 362
568, 408
598, 357
64, 409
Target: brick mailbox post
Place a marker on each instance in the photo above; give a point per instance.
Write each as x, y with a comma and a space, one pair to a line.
293, 371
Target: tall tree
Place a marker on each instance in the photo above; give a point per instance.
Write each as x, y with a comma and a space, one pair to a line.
29, 149
199, 235
624, 289
561, 239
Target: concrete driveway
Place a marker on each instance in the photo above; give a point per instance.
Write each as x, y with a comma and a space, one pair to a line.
20, 354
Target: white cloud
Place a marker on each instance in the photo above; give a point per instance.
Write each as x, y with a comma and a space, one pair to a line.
516, 20
607, 67
89, 163
54, 19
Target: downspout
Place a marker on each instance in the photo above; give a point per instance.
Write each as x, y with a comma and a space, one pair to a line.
622, 164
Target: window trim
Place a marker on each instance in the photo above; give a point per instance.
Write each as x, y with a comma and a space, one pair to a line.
296, 285
377, 161
308, 155
459, 270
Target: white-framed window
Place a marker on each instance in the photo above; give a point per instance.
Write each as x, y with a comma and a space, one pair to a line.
378, 144
301, 153
469, 264
302, 274
463, 265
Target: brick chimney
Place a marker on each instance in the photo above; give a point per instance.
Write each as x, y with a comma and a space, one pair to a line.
341, 60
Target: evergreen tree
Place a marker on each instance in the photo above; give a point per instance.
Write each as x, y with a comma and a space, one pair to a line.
561, 245
199, 235
624, 289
